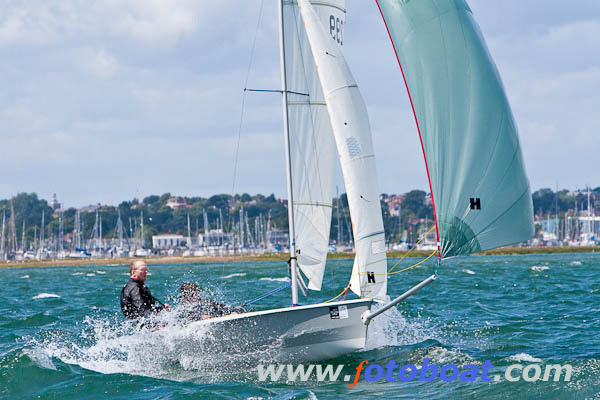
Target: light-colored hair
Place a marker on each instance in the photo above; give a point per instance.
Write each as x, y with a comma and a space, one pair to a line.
134, 265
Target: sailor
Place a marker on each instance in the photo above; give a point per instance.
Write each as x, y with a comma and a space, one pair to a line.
194, 308
136, 299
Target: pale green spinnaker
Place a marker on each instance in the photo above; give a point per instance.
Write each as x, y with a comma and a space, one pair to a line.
481, 193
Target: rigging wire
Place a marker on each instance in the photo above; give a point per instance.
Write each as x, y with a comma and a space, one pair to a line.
239, 135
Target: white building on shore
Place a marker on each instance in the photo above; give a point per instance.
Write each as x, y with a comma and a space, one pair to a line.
168, 241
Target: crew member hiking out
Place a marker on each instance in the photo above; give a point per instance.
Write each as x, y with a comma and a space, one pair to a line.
136, 299
194, 307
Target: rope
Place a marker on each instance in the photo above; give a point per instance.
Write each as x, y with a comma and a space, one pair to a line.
412, 266
339, 295
345, 290
412, 248
262, 296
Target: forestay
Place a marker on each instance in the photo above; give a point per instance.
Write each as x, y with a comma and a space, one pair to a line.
312, 147
352, 134
481, 194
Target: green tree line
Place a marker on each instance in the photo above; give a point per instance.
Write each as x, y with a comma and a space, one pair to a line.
416, 213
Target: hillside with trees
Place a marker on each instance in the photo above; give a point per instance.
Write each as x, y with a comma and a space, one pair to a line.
222, 210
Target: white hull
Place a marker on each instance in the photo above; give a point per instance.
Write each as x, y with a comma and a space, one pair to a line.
298, 334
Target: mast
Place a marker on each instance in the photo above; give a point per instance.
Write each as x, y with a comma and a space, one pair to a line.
589, 214
205, 242
142, 227
23, 244
241, 229
2, 235
60, 231
42, 233
120, 229
339, 230
95, 242
189, 232
288, 164
13, 231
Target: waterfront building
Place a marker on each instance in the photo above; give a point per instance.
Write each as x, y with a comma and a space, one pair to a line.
177, 202
168, 241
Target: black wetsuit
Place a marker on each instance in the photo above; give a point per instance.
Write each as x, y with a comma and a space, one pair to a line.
136, 300
206, 306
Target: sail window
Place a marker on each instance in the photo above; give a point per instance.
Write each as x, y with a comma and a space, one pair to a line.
353, 146
378, 247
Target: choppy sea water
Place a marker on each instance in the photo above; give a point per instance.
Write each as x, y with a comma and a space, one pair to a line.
62, 335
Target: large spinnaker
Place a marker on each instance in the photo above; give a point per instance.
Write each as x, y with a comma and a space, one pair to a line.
312, 146
481, 193
352, 132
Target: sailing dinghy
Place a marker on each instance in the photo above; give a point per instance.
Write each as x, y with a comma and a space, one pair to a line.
325, 119
480, 192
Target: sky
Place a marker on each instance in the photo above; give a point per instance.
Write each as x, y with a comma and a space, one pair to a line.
109, 100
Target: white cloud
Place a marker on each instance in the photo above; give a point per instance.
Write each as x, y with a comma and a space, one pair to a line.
96, 62
152, 22
25, 25
572, 84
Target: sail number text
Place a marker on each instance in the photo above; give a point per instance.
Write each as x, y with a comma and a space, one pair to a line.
336, 29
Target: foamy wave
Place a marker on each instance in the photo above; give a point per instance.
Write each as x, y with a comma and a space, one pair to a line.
392, 329
39, 358
25, 277
45, 296
175, 351
101, 272
90, 274
575, 262
468, 271
79, 273
539, 268
441, 355
275, 279
234, 275
525, 357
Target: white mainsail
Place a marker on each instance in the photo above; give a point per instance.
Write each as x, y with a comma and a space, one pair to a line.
312, 146
352, 132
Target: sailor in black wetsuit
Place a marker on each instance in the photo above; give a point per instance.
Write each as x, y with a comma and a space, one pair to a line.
136, 299
195, 308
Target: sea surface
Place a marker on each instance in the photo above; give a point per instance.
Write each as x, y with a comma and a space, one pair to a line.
62, 335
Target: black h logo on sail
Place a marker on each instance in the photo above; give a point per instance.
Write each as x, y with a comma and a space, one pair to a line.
370, 277
475, 203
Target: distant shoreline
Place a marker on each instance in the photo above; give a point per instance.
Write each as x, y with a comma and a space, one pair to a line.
275, 257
